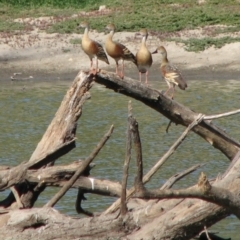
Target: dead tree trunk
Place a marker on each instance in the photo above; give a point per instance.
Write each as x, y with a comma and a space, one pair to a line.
156, 214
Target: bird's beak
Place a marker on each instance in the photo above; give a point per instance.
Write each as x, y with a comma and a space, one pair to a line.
155, 51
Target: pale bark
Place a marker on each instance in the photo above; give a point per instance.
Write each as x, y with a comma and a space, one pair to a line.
171, 109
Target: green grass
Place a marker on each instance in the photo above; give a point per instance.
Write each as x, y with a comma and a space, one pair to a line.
197, 45
164, 16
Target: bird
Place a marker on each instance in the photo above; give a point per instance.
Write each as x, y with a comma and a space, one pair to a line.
117, 50
144, 57
169, 72
92, 48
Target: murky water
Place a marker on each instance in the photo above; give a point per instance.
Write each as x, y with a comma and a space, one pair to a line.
28, 107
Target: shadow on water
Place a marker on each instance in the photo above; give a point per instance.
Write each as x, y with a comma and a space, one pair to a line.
28, 107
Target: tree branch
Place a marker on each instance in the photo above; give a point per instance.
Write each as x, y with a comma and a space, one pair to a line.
203, 190
171, 109
160, 162
210, 117
76, 175
126, 162
170, 182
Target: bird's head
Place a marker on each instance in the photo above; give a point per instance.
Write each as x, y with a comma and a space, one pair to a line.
83, 25
160, 50
143, 32
110, 27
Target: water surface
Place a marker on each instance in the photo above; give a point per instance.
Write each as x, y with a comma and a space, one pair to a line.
28, 107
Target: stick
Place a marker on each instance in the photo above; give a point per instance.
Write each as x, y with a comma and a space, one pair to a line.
78, 207
94, 153
126, 163
148, 176
16, 195
170, 182
206, 231
210, 117
138, 149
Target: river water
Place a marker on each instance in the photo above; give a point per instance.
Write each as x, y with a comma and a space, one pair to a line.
27, 107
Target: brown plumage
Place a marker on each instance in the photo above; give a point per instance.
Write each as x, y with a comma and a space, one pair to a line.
117, 50
144, 57
170, 73
92, 48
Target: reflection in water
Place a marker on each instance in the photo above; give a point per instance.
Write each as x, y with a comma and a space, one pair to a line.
27, 108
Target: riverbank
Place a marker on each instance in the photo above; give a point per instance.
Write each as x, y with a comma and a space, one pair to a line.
39, 55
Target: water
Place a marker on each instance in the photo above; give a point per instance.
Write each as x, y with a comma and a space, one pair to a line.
28, 107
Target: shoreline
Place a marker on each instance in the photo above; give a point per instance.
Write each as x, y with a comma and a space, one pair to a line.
52, 56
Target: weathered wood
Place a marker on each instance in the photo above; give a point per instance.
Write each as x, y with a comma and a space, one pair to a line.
159, 163
80, 170
176, 177
203, 190
58, 139
171, 109
62, 129
162, 219
126, 162
138, 184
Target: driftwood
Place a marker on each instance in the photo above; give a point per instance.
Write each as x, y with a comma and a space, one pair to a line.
162, 213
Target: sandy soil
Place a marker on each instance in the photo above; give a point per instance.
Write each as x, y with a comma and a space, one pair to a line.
42, 56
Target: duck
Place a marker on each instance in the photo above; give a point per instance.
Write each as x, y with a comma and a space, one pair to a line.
144, 57
170, 73
92, 48
117, 51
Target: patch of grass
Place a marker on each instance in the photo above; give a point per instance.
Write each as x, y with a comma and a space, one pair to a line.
50, 3
9, 26
230, 29
76, 41
164, 16
197, 45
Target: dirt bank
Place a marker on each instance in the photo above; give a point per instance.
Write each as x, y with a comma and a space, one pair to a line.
44, 56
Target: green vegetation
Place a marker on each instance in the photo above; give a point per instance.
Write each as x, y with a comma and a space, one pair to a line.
163, 16
50, 3
197, 45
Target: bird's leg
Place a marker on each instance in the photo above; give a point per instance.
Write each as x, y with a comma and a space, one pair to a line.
116, 67
173, 88
169, 87
140, 77
91, 67
146, 76
96, 70
122, 73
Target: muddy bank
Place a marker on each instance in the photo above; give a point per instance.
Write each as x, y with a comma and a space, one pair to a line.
51, 56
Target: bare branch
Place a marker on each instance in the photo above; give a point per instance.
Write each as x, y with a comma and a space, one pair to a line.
170, 182
203, 190
160, 162
210, 117
171, 109
126, 163
62, 130
79, 209
138, 149
64, 189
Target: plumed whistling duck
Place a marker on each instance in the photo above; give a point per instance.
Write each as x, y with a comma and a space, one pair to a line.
170, 73
144, 57
92, 48
117, 50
